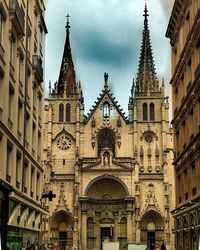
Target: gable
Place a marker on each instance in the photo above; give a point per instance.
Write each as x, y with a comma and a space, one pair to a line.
106, 98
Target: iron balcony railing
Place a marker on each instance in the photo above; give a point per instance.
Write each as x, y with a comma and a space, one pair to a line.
37, 67
18, 16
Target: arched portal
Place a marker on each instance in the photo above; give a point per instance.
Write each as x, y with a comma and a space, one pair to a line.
61, 226
106, 188
106, 198
152, 229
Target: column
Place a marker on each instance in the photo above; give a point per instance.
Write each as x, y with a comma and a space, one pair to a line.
129, 227
134, 226
116, 226
98, 232
75, 231
84, 230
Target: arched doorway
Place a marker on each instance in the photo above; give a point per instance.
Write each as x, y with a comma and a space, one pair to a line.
61, 229
152, 229
105, 210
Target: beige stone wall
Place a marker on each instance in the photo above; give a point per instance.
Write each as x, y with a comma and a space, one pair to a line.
79, 161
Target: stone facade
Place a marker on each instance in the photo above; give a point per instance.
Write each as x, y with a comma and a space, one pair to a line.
184, 33
21, 116
112, 174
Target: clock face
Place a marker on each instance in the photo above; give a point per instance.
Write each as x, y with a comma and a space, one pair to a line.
64, 142
148, 138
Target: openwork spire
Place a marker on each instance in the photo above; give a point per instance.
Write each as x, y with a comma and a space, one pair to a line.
67, 79
146, 77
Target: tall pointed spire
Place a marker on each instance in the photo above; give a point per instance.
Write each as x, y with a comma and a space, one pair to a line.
67, 79
146, 77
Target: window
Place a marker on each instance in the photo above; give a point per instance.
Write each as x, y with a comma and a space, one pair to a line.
1, 93
25, 176
20, 69
1, 28
19, 120
12, 50
28, 84
186, 195
194, 191
18, 168
34, 97
144, 112
33, 138
32, 180
68, 112
61, 112
9, 161
38, 186
10, 102
39, 145
106, 139
106, 110
152, 112
27, 129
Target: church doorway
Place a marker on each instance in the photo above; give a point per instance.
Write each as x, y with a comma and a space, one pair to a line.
63, 239
152, 229
151, 240
105, 211
106, 234
61, 229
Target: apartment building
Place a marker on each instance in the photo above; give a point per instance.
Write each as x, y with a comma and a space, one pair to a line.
184, 33
22, 33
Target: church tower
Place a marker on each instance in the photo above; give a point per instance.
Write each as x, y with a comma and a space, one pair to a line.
153, 142
111, 174
63, 115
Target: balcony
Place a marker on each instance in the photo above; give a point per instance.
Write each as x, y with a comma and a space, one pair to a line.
37, 67
17, 17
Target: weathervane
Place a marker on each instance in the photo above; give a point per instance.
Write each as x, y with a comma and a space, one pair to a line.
145, 10
67, 25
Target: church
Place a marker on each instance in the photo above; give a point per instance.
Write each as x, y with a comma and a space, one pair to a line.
112, 175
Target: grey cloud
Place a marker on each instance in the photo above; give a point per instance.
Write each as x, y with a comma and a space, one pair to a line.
105, 36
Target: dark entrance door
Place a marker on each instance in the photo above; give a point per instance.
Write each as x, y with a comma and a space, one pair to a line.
105, 234
63, 239
151, 240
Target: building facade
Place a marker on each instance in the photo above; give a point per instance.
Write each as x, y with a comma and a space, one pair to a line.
22, 31
111, 174
184, 33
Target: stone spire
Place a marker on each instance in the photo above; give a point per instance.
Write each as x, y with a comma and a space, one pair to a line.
146, 77
67, 79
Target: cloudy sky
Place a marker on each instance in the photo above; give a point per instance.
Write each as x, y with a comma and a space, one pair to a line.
106, 37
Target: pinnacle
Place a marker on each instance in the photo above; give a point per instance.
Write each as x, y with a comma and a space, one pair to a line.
146, 76
67, 79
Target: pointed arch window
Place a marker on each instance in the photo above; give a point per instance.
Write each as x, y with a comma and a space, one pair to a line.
61, 112
106, 109
152, 112
106, 139
145, 112
68, 112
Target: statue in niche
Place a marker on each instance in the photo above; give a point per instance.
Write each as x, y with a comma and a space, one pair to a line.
106, 159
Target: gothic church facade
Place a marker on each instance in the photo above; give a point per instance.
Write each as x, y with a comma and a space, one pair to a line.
112, 174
